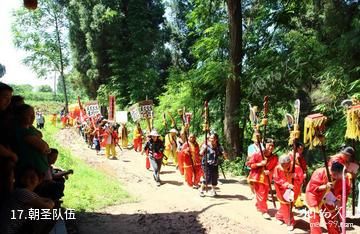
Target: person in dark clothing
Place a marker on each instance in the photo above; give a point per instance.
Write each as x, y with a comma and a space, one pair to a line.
211, 154
155, 148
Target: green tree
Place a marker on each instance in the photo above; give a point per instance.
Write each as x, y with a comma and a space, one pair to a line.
41, 34
119, 45
45, 88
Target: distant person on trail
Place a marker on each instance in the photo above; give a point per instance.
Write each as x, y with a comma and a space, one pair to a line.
124, 136
40, 120
211, 167
147, 161
53, 119
110, 139
137, 138
155, 148
180, 140
171, 146
192, 162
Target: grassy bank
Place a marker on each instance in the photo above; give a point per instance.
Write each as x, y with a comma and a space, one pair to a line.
87, 189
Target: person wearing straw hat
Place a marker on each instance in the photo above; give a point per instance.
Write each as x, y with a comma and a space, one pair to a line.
155, 148
171, 146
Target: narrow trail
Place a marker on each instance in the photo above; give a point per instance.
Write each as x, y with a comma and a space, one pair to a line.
173, 207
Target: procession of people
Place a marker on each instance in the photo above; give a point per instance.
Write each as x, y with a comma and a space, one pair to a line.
281, 176
278, 178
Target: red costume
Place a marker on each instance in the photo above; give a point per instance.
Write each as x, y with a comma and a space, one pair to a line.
341, 158
316, 204
181, 156
191, 162
282, 180
300, 161
258, 178
137, 139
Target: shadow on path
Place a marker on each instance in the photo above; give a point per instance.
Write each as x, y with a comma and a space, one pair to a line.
142, 222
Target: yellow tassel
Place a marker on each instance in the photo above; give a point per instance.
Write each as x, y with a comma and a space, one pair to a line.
313, 127
353, 123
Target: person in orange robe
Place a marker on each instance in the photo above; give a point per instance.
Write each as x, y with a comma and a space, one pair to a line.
324, 196
192, 162
260, 169
285, 180
347, 158
180, 140
147, 161
301, 162
110, 140
137, 138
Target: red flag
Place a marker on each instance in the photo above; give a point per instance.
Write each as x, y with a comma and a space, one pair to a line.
111, 116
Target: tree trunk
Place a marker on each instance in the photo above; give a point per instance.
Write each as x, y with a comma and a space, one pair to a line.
61, 63
233, 85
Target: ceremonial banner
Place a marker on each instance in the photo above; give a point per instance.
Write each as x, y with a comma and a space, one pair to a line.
121, 117
353, 123
314, 128
142, 110
112, 105
92, 108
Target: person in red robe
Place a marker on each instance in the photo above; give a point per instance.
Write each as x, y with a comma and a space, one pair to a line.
347, 158
260, 169
301, 162
287, 182
137, 138
323, 195
192, 162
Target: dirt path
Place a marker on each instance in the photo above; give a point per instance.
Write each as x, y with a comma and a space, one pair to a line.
173, 207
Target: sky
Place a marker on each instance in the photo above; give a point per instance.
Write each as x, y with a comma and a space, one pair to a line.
10, 57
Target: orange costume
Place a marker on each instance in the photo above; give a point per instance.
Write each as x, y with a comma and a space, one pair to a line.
258, 178
300, 161
109, 141
137, 140
317, 205
191, 178
282, 180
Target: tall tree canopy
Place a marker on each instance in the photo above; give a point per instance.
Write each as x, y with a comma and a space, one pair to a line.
43, 35
119, 47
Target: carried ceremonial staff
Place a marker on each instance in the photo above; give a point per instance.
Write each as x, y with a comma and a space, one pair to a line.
294, 136
254, 120
206, 129
265, 110
184, 122
314, 128
173, 123
165, 123
166, 130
